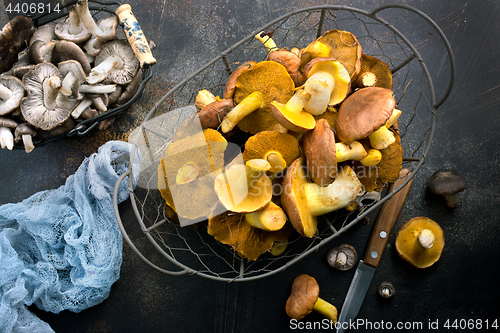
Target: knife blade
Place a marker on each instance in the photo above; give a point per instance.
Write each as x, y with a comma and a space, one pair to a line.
382, 228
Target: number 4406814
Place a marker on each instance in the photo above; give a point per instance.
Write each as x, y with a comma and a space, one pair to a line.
476, 324
32, 8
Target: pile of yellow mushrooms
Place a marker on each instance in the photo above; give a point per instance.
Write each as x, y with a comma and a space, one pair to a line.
321, 125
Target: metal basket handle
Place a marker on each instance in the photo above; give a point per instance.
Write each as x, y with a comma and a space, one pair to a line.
124, 233
445, 41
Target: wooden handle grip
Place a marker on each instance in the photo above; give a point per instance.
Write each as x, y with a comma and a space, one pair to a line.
135, 35
386, 219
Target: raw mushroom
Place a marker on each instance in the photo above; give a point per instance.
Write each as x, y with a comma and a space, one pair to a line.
131, 89
364, 114
44, 107
203, 98
13, 39
116, 63
7, 125
386, 290
212, 114
420, 241
22, 66
249, 104
80, 89
374, 73
279, 149
448, 183
244, 188
342, 257
303, 201
25, 132
269, 218
42, 44
304, 299
72, 28
11, 93
65, 50
230, 86
292, 115
72, 72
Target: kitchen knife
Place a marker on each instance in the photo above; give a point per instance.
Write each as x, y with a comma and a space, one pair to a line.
382, 229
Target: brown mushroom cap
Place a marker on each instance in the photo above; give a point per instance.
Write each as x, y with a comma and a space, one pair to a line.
291, 61
274, 82
381, 71
131, 89
446, 182
65, 50
211, 115
230, 86
13, 38
122, 49
409, 248
305, 293
319, 150
363, 112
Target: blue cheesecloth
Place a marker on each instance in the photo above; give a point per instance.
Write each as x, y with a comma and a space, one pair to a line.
61, 249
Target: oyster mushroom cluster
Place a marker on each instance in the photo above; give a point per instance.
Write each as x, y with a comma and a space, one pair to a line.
320, 129
62, 74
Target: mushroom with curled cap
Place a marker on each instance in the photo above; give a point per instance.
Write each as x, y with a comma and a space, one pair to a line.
11, 93
7, 125
303, 201
72, 71
323, 154
279, 149
337, 44
420, 241
102, 31
116, 63
244, 188
186, 171
364, 115
230, 86
13, 39
42, 43
448, 183
248, 241
24, 133
342, 257
273, 82
65, 50
305, 299
72, 28
43, 106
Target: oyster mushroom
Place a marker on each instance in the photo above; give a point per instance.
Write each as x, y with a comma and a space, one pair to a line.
303, 201
13, 39
11, 93
7, 125
448, 183
116, 63
420, 241
305, 299
24, 133
65, 50
42, 44
43, 106
130, 89
72, 71
279, 149
72, 28
342, 257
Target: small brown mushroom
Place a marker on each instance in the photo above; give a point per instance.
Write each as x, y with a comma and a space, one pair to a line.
386, 290
212, 114
448, 183
66, 50
13, 39
374, 73
230, 86
304, 299
342, 257
24, 133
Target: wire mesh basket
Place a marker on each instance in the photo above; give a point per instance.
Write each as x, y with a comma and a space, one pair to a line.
192, 251
99, 10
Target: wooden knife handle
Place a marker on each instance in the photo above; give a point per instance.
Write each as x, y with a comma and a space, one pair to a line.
386, 219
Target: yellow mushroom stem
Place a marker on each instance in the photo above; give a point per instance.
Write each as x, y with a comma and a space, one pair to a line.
298, 101
203, 98
279, 128
381, 138
367, 79
326, 309
350, 152
248, 105
279, 247
276, 161
267, 41
269, 218
317, 49
393, 118
320, 86
373, 158
187, 173
426, 239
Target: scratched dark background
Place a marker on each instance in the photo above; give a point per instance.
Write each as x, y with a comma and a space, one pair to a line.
462, 285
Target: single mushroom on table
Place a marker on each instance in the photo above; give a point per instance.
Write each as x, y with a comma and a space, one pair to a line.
342, 257
24, 133
11, 93
386, 290
303, 201
7, 125
305, 299
279, 149
420, 241
364, 114
43, 106
448, 183
115, 63
13, 39
72, 28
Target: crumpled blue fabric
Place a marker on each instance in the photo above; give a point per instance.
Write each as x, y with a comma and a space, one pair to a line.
61, 249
